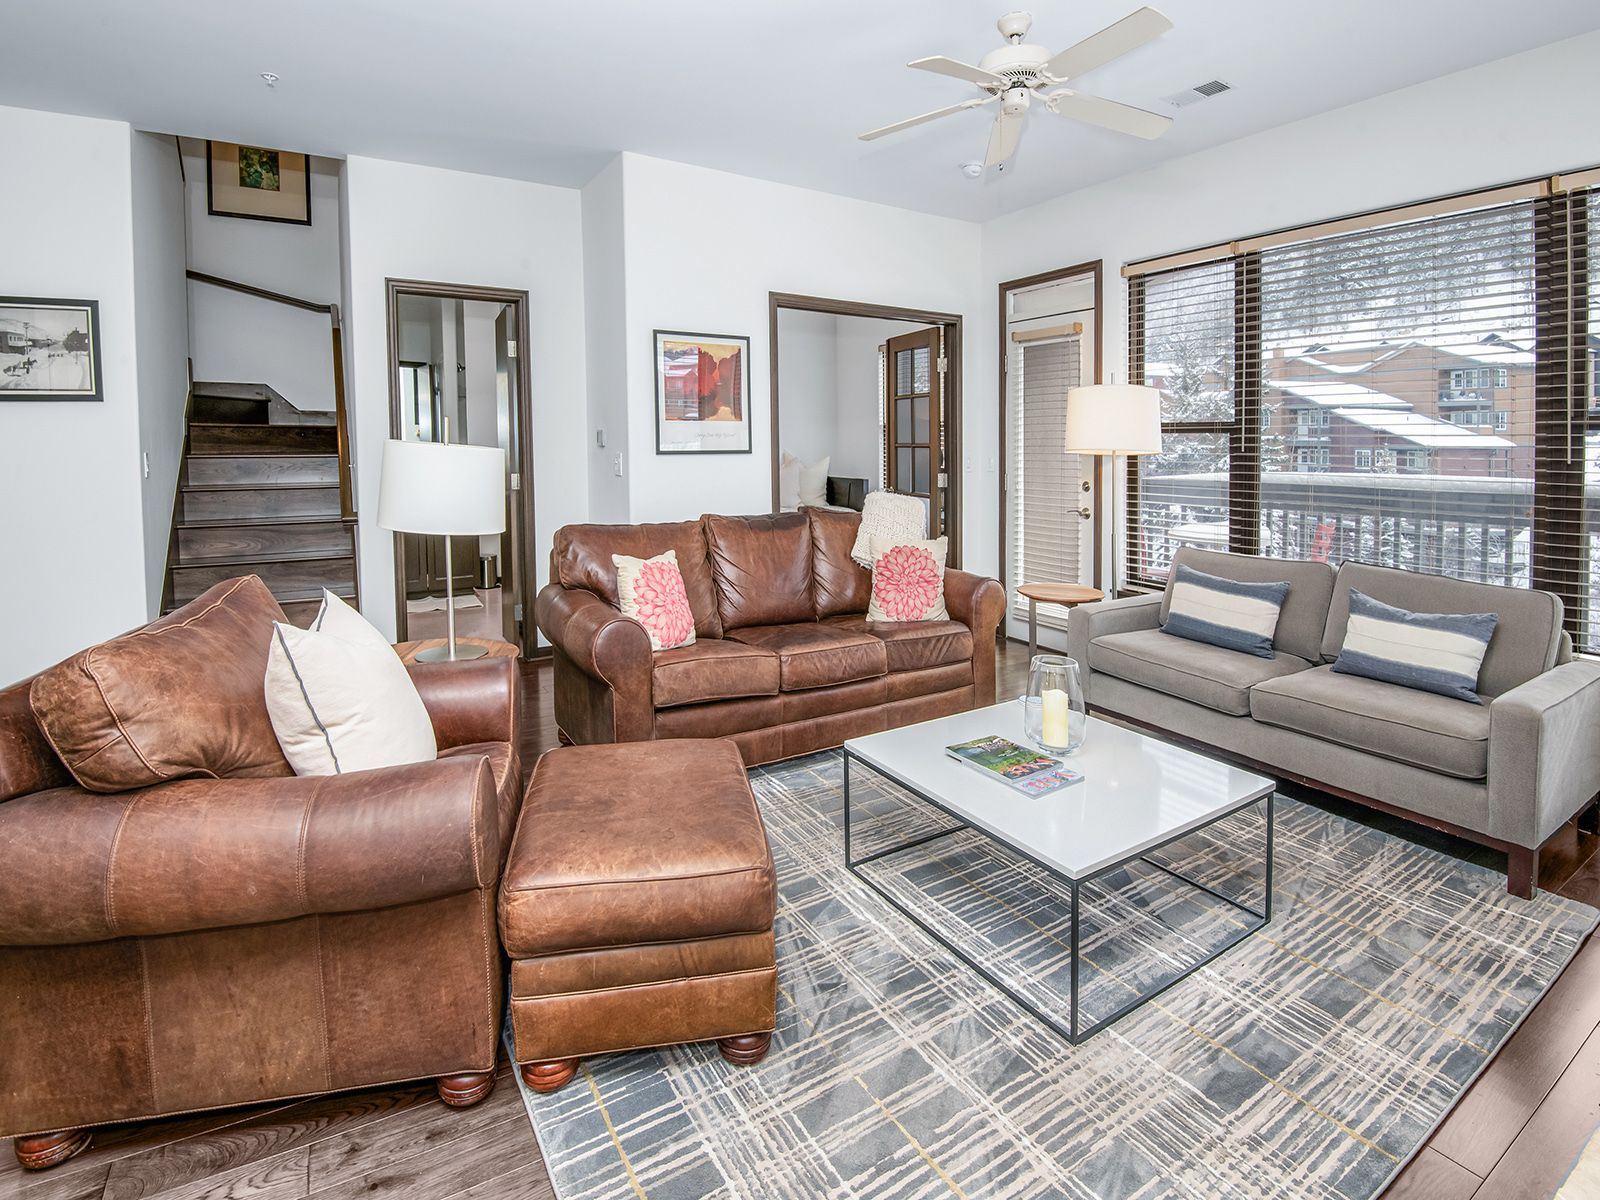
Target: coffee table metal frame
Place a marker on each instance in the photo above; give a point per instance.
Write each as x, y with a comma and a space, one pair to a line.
1070, 1031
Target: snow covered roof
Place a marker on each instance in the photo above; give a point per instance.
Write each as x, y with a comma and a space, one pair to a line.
1335, 393
1473, 345
1422, 430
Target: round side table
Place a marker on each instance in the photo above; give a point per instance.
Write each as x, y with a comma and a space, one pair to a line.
494, 649
1052, 593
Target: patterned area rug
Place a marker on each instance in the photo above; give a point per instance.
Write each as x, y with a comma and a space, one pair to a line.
1310, 1060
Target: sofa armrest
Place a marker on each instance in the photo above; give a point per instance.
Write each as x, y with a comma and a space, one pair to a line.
1089, 621
478, 700
978, 602
1544, 752
612, 698
80, 866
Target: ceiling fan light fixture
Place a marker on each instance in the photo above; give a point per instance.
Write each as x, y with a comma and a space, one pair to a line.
1016, 102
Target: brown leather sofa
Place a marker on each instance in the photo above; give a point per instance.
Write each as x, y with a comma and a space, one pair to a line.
201, 942
784, 661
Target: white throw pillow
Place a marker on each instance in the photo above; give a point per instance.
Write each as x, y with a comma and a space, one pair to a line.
789, 484
340, 699
814, 482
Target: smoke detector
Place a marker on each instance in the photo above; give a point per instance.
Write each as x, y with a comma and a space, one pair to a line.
1199, 92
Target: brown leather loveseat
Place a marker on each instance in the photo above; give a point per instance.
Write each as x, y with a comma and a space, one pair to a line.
171, 942
784, 661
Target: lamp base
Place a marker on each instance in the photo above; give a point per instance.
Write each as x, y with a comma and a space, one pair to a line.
442, 653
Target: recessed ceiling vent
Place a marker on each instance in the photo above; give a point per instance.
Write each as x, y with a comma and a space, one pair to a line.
1201, 91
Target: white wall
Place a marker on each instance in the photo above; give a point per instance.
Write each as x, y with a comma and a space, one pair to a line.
236, 338
161, 332
606, 344
72, 542
411, 222
808, 420
703, 249
1524, 116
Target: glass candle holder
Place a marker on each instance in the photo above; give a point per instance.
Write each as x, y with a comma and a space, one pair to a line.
1054, 716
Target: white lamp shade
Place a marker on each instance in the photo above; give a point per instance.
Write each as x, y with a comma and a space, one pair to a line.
429, 487
1113, 418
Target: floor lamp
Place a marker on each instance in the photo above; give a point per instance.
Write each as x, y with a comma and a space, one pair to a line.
437, 488
1113, 418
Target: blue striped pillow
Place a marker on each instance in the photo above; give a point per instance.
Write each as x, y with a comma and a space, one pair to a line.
1432, 652
1224, 612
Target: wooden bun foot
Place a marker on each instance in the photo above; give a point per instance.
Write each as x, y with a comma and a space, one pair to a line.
51, 1149
465, 1090
747, 1050
549, 1076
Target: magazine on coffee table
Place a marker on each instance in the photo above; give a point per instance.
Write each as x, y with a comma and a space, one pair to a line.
1017, 766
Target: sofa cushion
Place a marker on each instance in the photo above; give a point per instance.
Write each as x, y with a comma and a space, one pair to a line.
183, 695
762, 568
913, 645
838, 583
712, 670
580, 557
812, 654
1208, 675
1526, 641
599, 861
1305, 608
1432, 732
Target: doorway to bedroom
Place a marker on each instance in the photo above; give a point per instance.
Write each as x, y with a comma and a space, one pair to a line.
866, 397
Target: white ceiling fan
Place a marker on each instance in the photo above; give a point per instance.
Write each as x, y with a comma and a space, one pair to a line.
1017, 72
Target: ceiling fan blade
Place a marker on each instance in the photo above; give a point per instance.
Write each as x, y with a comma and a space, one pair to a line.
1124, 118
1003, 135
1133, 31
940, 65
943, 112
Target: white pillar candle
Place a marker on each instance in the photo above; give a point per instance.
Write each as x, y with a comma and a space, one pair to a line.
1056, 727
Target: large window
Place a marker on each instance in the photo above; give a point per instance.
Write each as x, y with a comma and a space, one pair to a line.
1417, 394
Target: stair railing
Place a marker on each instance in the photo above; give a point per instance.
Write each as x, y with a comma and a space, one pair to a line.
347, 507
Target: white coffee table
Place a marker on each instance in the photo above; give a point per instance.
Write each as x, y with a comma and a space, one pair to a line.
1138, 795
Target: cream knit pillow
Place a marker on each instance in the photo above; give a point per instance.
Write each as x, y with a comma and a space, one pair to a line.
891, 516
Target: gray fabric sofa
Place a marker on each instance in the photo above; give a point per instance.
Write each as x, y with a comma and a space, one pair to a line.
1507, 774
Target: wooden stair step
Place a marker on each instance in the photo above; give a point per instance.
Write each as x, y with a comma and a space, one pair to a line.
286, 579
295, 500
261, 468
262, 538
210, 438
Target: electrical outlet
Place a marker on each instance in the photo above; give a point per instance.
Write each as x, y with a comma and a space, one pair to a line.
616, 465
969, 464
993, 464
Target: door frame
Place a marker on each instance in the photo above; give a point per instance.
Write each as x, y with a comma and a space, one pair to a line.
952, 323
523, 468
1096, 267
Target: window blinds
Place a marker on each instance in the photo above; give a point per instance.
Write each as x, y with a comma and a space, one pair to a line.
1418, 394
1045, 482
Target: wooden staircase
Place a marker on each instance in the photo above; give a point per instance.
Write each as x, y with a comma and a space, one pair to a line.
262, 490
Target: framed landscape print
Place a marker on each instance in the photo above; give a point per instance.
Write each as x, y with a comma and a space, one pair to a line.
264, 185
49, 349
702, 397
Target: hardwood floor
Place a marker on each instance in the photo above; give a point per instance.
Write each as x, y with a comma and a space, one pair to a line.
1514, 1133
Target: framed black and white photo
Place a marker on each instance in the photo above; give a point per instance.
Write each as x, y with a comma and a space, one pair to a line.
49, 349
254, 182
702, 401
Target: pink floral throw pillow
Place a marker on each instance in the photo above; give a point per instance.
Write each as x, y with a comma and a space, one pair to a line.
652, 593
908, 580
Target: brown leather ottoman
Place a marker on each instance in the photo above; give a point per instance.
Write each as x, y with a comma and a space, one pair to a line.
637, 907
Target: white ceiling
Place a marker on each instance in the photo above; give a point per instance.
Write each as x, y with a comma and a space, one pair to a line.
776, 89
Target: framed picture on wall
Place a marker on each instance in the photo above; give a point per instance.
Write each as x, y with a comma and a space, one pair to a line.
49, 349
702, 393
261, 184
